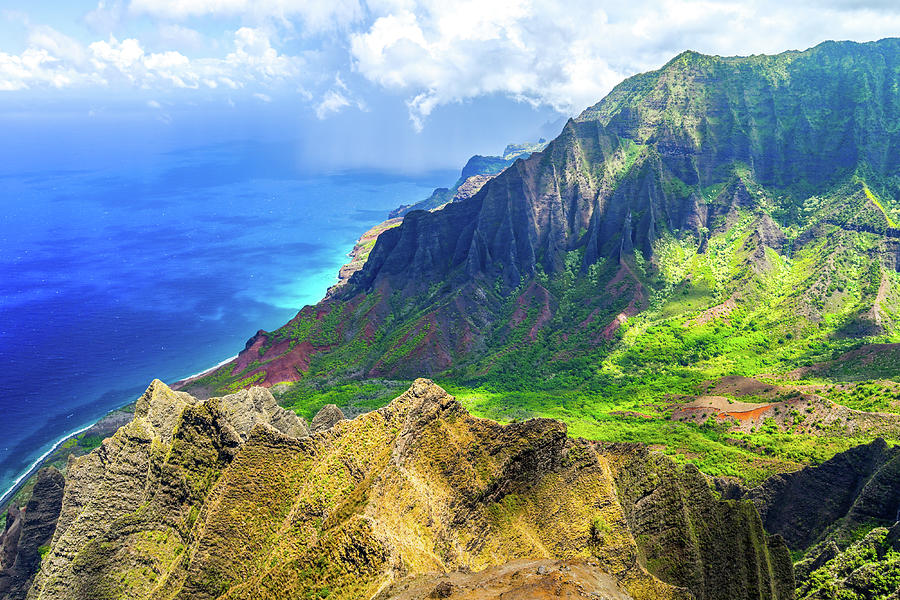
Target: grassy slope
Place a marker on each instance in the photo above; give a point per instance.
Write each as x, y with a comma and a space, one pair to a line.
792, 310
828, 192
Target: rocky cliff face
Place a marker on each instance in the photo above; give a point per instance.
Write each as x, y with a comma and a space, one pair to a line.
856, 488
128, 505
229, 498
28, 534
746, 163
689, 537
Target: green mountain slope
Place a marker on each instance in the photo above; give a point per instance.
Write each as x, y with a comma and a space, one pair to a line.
719, 217
230, 498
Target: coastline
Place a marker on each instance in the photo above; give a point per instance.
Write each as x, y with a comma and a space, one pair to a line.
58, 449
181, 382
8, 494
35, 467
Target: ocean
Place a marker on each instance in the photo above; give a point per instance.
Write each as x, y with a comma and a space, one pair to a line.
159, 266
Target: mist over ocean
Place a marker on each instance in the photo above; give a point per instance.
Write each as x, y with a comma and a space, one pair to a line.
158, 264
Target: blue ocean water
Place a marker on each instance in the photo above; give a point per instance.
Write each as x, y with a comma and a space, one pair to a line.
159, 267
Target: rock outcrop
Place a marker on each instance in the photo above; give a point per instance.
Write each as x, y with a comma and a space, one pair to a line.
327, 417
207, 500
28, 534
854, 488
128, 505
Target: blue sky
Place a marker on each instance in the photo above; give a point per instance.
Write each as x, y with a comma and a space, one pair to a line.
430, 81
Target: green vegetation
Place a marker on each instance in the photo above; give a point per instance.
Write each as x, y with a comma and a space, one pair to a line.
868, 569
747, 236
306, 399
733, 307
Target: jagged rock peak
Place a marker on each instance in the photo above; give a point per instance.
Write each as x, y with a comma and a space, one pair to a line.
160, 407
417, 487
327, 417
248, 407
422, 402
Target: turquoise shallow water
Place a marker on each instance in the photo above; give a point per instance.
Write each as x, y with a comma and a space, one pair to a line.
159, 267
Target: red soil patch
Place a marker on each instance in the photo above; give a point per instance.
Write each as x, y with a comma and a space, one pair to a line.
250, 351
538, 293
285, 368
609, 332
716, 312
747, 415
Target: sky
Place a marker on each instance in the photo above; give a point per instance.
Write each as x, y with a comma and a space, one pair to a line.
382, 84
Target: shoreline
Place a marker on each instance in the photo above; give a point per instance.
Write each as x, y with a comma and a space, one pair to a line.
177, 384
36, 466
7, 495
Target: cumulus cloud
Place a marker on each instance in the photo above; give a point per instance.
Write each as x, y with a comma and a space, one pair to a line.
568, 55
315, 16
429, 52
53, 60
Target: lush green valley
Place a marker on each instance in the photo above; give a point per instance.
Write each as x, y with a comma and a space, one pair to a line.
717, 221
699, 278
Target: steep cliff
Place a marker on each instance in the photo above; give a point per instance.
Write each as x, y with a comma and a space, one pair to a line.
843, 514
763, 185
128, 505
689, 537
210, 500
28, 534
854, 489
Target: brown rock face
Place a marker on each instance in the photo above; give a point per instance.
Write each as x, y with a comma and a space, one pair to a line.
329, 416
516, 580
385, 503
28, 533
858, 487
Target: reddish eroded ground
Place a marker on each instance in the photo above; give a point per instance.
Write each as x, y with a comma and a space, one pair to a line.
635, 305
703, 407
609, 332
429, 347
518, 580
746, 415
716, 312
533, 293
287, 367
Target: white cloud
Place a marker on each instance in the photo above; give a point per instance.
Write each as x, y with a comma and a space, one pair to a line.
315, 16
332, 102
57, 44
262, 97
430, 52
53, 60
153, 104
336, 99
569, 55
